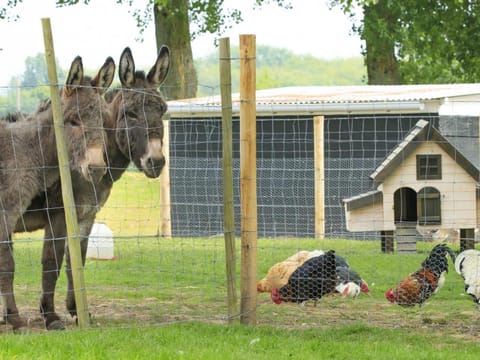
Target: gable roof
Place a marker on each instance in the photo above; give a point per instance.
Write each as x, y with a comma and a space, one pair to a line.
421, 132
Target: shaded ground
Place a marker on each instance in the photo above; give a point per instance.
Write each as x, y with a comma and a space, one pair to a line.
436, 316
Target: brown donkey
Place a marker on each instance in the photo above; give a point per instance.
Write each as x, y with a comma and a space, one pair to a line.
29, 164
134, 134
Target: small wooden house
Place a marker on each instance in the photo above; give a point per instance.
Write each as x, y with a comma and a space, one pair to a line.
424, 183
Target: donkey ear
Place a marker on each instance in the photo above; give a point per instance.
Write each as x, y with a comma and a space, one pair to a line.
126, 70
157, 74
105, 76
75, 76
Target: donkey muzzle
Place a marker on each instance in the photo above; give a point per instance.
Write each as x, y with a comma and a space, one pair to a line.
152, 167
94, 166
153, 161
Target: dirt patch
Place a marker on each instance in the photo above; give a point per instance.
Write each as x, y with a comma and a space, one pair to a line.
436, 317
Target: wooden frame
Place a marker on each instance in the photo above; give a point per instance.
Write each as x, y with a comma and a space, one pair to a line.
429, 167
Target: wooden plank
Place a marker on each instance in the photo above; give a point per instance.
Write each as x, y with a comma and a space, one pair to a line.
73, 238
387, 243
467, 239
318, 145
165, 195
406, 237
228, 202
248, 180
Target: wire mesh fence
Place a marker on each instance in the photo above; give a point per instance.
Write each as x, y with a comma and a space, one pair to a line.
152, 279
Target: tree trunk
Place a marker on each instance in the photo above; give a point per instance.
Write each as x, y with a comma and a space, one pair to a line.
172, 28
378, 33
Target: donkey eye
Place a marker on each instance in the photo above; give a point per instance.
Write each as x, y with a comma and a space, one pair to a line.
75, 122
131, 114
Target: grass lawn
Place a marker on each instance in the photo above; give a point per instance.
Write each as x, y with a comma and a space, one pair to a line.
166, 298
209, 341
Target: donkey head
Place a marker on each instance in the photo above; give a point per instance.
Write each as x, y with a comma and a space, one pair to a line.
84, 112
138, 108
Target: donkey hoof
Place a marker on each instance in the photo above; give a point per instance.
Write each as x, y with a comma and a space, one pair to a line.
23, 330
19, 325
56, 325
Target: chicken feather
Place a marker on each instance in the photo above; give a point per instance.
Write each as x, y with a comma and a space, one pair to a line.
278, 274
315, 278
467, 265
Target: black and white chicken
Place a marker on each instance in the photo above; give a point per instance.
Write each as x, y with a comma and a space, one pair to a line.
467, 265
310, 281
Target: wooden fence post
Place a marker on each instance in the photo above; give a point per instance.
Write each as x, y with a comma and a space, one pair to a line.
165, 204
228, 205
319, 165
66, 181
248, 180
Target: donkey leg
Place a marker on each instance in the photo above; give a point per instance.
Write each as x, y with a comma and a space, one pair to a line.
7, 269
85, 228
52, 258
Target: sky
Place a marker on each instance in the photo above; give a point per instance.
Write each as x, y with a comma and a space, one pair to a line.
104, 28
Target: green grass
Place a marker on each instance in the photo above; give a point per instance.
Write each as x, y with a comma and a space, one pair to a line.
210, 341
133, 206
166, 298
166, 280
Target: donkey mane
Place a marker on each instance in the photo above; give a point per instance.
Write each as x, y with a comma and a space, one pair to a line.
140, 74
14, 116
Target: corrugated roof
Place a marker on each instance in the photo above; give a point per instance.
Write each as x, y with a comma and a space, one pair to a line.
366, 93
336, 98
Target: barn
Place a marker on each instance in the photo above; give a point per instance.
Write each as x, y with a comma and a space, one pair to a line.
361, 124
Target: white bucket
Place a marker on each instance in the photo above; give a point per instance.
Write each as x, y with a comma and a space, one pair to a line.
100, 242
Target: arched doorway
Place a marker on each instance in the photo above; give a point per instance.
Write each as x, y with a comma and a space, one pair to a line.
405, 205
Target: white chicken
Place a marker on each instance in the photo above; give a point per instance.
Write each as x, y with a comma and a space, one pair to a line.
467, 264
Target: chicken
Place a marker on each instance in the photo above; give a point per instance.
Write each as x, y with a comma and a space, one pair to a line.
467, 265
278, 274
313, 279
340, 261
419, 286
349, 283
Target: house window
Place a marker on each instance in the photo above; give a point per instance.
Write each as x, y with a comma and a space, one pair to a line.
429, 167
429, 206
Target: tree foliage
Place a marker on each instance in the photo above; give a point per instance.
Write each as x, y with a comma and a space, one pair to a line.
205, 16
433, 40
5, 10
177, 23
439, 45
